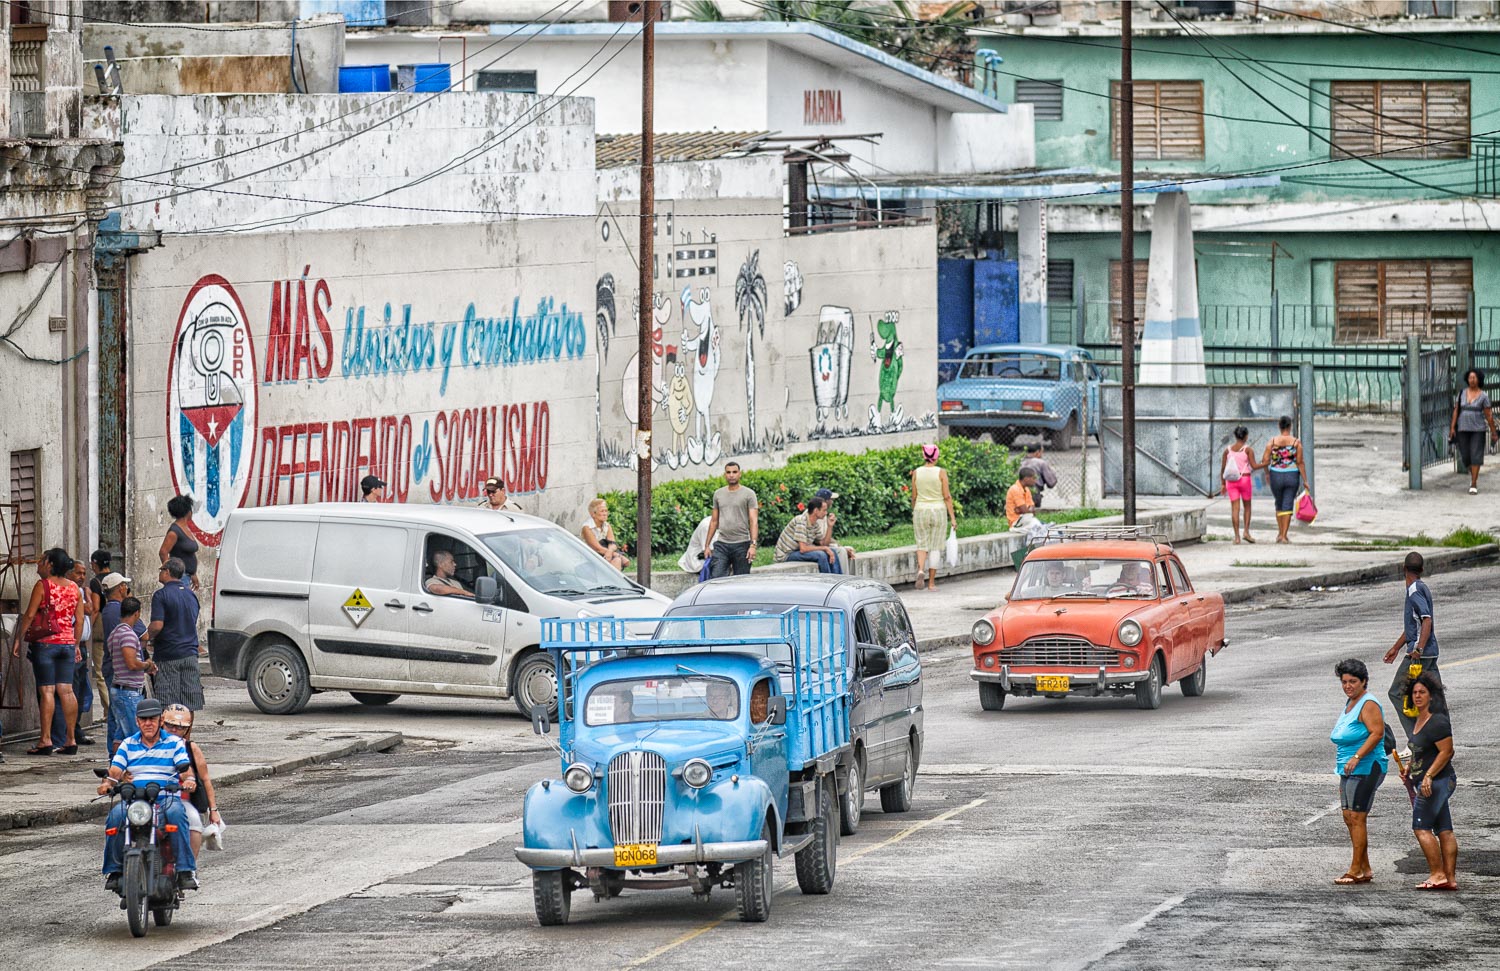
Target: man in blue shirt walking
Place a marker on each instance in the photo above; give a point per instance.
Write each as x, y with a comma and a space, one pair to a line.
1418, 641
173, 636
150, 755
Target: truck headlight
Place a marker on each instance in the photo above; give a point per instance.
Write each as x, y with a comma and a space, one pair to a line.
697, 773
1130, 633
983, 633
578, 777
139, 813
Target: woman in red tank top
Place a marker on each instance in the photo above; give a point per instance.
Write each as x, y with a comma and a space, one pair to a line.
55, 610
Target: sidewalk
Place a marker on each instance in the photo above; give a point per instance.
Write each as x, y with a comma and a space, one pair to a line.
1362, 497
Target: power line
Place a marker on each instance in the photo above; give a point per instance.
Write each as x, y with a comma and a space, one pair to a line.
215, 29
1410, 38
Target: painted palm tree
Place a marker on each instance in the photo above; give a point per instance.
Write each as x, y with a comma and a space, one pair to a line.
604, 321
750, 304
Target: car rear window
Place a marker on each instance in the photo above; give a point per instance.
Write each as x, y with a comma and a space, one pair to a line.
1031, 367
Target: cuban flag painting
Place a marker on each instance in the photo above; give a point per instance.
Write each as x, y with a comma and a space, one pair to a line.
211, 405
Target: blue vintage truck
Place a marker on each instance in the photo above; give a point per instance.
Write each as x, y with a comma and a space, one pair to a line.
709, 749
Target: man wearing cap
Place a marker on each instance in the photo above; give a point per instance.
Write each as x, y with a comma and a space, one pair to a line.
372, 489
151, 755
116, 589
842, 553
496, 497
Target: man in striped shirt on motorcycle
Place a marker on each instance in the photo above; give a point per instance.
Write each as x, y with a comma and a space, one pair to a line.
150, 755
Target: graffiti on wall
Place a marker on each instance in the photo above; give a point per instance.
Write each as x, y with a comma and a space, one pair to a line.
750, 304
888, 353
702, 344
442, 454
791, 287
212, 399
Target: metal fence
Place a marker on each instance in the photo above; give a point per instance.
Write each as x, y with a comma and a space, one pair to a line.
1437, 383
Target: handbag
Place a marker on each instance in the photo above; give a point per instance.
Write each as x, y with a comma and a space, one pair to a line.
950, 549
1232, 471
1307, 511
46, 622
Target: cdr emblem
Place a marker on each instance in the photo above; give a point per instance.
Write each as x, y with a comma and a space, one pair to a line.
211, 405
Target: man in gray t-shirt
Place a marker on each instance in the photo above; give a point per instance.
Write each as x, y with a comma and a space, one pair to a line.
733, 527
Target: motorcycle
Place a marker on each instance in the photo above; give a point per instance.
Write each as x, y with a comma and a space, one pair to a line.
148, 880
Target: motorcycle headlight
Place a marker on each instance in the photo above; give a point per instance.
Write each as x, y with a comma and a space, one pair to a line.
983, 633
579, 778
139, 813
697, 773
1130, 633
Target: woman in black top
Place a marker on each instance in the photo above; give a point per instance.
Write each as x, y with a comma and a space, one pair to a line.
1431, 771
179, 541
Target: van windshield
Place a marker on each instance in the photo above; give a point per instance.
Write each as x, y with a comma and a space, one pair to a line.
693, 698
553, 561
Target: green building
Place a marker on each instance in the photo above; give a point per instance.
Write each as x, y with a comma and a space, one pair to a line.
1361, 168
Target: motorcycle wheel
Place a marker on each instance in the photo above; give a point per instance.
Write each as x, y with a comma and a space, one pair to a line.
162, 916
137, 900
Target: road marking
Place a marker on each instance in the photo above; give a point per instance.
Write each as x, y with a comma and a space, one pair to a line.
1333, 807
698, 932
1472, 660
1127, 932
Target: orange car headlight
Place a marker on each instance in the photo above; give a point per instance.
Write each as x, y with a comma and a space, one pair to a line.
983, 633
1130, 633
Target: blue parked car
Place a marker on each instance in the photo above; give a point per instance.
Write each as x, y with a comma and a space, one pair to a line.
1022, 389
710, 748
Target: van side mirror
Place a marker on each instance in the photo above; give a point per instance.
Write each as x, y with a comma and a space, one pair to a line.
777, 709
539, 723
873, 659
486, 590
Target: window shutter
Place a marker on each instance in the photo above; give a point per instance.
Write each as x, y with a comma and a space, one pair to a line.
1447, 119
1060, 281
1142, 267
1394, 299
1168, 119
1353, 118
23, 484
1046, 97
1400, 119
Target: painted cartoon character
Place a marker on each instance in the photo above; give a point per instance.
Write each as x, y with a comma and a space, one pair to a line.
791, 287
831, 358
889, 353
679, 405
704, 446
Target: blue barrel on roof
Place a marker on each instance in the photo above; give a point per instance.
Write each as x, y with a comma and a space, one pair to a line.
364, 78
423, 77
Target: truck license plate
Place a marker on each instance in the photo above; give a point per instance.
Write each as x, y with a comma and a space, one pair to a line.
1049, 682
637, 854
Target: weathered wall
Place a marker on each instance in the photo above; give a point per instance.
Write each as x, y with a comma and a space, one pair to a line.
767, 345
524, 160
284, 368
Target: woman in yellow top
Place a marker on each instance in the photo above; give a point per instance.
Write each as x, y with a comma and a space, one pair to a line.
930, 498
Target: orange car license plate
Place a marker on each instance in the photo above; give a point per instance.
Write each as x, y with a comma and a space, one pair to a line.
1052, 682
635, 854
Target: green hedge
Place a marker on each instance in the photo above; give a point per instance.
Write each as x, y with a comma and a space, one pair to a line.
873, 490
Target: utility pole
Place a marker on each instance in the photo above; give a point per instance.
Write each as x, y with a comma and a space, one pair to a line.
644, 316
1127, 264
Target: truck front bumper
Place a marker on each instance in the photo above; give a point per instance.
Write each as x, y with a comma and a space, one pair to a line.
668, 855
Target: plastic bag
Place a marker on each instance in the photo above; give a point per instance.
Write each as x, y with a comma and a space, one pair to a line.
1306, 510
950, 549
213, 834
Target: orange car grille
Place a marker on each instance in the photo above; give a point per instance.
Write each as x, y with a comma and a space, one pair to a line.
1062, 652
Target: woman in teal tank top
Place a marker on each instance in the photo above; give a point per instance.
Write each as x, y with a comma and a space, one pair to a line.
1359, 761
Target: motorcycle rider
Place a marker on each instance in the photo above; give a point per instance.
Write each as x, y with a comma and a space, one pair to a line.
150, 755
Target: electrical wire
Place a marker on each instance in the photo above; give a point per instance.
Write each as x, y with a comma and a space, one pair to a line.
1411, 38
214, 29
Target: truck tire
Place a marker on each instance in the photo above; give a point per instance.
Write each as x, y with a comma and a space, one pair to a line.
752, 884
552, 892
373, 700
535, 683
137, 899
817, 862
896, 797
991, 698
1193, 685
277, 679
852, 803
1148, 692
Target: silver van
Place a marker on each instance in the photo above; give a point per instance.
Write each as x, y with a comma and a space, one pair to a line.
382, 600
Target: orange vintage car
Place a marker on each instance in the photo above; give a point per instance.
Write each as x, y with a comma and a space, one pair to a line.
1098, 616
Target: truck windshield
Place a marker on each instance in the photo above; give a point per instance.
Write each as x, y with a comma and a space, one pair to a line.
1001, 364
1055, 579
662, 699
553, 561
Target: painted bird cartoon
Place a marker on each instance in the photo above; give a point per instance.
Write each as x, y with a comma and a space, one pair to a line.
889, 353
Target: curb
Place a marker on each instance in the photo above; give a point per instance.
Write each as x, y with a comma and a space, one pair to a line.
98, 810
1443, 562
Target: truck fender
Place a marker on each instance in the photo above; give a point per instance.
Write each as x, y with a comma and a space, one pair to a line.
555, 817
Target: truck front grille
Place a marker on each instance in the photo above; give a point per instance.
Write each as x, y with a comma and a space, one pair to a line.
637, 790
1062, 652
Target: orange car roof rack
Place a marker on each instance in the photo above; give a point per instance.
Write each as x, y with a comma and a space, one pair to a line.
1076, 534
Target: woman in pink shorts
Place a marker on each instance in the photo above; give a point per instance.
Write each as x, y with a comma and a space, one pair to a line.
1235, 471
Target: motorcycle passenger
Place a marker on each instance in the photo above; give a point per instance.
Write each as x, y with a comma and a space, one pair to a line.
201, 806
150, 755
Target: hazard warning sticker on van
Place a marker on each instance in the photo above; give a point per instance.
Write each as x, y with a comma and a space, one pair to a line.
358, 606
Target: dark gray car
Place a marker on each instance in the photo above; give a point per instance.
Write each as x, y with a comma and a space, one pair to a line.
885, 704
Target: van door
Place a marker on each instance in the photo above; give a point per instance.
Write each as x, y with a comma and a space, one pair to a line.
867, 707
357, 605
903, 683
455, 641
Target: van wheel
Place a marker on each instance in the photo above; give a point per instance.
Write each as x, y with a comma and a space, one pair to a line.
1193, 685
374, 700
896, 797
1148, 691
852, 805
535, 683
277, 680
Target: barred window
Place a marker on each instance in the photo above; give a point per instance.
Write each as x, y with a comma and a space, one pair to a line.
1168, 119
1400, 119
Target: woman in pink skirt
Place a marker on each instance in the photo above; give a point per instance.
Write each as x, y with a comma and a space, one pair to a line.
1236, 473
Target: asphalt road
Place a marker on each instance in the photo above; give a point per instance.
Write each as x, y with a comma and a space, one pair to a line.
1069, 834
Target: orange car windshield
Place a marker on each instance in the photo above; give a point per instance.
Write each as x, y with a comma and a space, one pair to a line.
1084, 578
